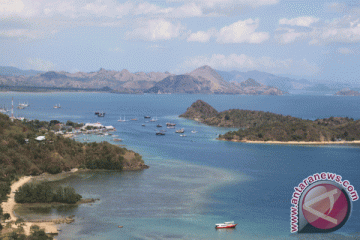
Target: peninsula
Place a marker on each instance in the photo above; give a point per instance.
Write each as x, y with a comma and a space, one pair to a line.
31, 148
266, 127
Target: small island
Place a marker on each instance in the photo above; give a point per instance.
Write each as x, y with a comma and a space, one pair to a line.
266, 127
347, 92
32, 149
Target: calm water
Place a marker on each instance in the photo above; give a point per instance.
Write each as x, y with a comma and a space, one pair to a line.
194, 181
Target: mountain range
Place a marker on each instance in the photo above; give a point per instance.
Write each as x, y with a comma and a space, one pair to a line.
201, 80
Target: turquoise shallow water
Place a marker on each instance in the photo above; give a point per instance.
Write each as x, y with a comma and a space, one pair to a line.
194, 181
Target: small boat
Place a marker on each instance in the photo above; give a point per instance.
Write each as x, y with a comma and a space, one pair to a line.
143, 125
134, 119
158, 125
160, 133
56, 106
194, 131
147, 117
96, 113
180, 130
101, 114
117, 140
182, 135
226, 225
122, 120
170, 124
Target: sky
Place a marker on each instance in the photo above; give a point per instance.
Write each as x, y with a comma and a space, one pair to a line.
312, 39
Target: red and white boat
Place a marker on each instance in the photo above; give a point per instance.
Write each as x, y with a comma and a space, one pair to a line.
226, 225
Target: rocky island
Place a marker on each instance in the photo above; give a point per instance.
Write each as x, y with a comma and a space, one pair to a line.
259, 126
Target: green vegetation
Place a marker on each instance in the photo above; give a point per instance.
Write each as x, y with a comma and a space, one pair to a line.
35, 234
21, 154
266, 126
44, 193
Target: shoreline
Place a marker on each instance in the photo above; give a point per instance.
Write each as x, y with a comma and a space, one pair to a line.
294, 142
9, 206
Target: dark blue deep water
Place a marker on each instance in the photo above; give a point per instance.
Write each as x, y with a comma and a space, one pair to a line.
195, 181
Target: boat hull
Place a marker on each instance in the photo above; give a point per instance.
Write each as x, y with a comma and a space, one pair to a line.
226, 226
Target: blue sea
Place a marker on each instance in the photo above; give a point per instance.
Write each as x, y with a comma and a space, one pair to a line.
195, 181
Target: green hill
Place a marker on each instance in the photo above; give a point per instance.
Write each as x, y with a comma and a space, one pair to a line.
266, 126
21, 154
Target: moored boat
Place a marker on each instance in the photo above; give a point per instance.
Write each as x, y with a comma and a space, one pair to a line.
180, 130
226, 225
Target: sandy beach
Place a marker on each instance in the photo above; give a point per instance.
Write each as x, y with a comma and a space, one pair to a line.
300, 142
9, 205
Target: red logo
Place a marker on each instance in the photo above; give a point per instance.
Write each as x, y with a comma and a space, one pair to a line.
325, 206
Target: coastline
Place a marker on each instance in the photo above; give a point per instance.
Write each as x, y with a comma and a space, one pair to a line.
294, 142
9, 205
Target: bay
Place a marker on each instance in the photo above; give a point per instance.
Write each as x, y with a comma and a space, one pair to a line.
195, 181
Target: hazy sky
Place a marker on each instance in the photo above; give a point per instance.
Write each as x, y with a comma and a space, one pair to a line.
315, 39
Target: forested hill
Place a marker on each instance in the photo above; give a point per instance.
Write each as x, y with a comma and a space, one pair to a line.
266, 126
21, 154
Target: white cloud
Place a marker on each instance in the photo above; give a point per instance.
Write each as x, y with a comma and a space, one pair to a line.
336, 7
40, 64
238, 32
300, 21
202, 36
154, 30
244, 62
345, 51
216, 4
344, 30
241, 32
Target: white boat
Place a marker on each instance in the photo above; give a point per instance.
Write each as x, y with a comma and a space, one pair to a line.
180, 130
182, 135
122, 120
226, 225
56, 106
194, 131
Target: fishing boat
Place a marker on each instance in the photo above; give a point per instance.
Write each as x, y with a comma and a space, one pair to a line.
158, 125
147, 117
180, 130
168, 124
160, 133
226, 225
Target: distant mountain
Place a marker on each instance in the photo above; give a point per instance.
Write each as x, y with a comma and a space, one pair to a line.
347, 92
123, 81
203, 80
282, 83
13, 71
206, 80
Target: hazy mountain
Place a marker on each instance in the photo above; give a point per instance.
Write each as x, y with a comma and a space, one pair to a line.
206, 80
13, 71
122, 81
201, 80
283, 83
